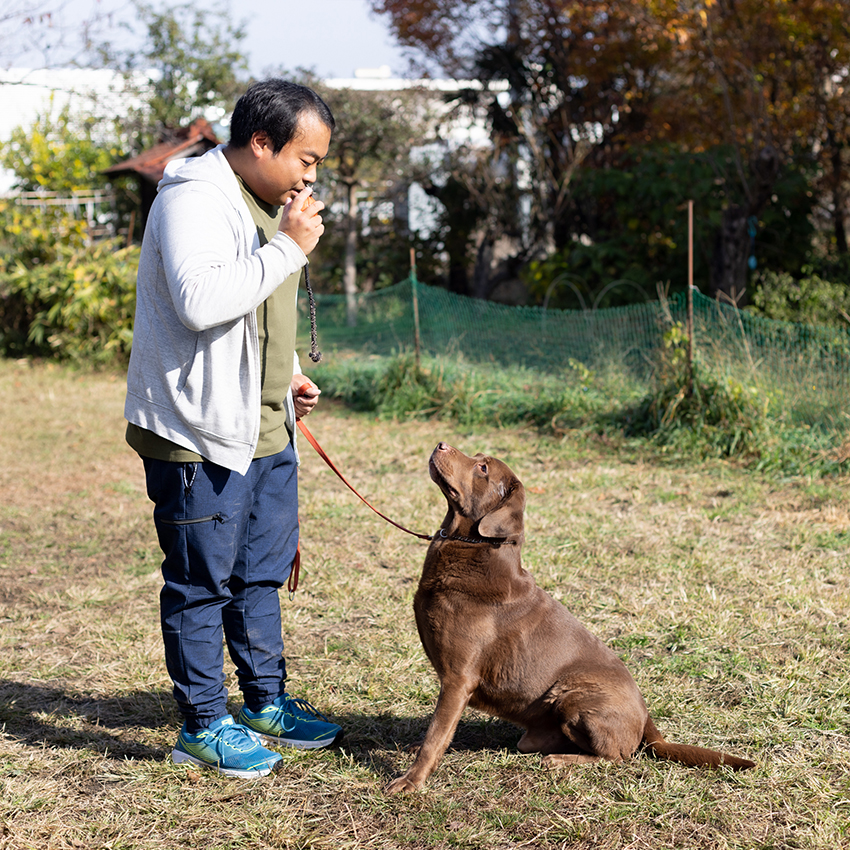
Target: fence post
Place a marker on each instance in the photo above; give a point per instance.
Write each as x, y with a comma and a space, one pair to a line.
415, 307
691, 293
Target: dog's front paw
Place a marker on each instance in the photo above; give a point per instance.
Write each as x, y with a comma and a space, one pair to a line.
401, 785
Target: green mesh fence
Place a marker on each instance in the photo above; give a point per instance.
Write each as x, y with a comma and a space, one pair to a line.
800, 371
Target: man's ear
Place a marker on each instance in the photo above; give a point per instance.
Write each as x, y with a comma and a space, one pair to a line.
506, 519
260, 141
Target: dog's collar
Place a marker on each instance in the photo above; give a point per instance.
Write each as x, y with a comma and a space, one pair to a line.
489, 541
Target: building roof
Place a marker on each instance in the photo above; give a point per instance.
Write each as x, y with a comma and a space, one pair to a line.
193, 140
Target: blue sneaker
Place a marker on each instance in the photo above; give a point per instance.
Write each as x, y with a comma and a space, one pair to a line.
226, 747
291, 722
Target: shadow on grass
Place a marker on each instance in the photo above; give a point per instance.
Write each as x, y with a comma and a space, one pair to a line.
369, 737
38, 714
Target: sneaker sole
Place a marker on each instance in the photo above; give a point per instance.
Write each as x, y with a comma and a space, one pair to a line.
179, 757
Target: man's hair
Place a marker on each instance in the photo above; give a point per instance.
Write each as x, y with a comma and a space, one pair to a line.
274, 107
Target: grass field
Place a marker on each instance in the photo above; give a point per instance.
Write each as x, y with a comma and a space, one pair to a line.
726, 593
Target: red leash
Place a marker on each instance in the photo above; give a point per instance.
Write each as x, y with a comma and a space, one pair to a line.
296, 565
321, 452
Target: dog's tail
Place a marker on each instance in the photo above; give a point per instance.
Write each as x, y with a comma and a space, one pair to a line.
690, 756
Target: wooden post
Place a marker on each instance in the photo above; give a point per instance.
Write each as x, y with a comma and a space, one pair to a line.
131, 226
691, 291
416, 345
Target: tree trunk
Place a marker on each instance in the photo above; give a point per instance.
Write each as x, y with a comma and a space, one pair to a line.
732, 243
349, 276
729, 258
838, 199
481, 284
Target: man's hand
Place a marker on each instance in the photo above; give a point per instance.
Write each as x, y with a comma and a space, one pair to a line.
305, 394
301, 220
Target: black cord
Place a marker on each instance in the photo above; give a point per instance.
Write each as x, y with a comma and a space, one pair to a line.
315, 354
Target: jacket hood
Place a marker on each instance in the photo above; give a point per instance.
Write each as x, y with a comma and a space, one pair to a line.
210, 168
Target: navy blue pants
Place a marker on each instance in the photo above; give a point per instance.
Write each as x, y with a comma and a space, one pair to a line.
229, 542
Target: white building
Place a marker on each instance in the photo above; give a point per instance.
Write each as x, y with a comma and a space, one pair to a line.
27, 94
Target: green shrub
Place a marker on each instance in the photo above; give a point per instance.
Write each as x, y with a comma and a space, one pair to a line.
810, 299
59, 296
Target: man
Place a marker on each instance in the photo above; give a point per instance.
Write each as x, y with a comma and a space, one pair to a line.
213, 392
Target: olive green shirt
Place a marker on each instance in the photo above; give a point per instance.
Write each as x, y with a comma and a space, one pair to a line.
276, 325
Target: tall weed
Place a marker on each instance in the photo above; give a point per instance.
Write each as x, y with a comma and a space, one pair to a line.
689, 406
693, 410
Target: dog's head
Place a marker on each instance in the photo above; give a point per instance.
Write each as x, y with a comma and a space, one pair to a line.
482, 489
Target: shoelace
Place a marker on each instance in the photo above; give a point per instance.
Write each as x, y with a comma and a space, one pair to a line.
303, 706
236, 737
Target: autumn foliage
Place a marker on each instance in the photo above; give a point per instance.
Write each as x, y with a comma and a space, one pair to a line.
757, 90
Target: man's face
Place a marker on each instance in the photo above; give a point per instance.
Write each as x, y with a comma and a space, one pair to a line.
283, 175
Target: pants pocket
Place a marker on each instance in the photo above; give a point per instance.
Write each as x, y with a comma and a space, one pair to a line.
217, 517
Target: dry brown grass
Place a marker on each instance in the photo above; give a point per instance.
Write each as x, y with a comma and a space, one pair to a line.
726, 594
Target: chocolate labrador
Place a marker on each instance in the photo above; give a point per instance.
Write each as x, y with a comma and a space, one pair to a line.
502, 645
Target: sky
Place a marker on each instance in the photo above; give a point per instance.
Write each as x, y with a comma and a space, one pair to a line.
331, 37
334, 37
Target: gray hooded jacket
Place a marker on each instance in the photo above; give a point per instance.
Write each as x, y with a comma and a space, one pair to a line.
194, 374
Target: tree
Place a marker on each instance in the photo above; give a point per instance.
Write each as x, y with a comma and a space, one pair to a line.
757, 87
374, 134
192, 63
764, 79
61, 153
571, 72
37, 33
466, 182
824, 46
61, 158
61, 293
634, 225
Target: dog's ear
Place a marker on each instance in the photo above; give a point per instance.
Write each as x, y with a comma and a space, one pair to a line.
505, 520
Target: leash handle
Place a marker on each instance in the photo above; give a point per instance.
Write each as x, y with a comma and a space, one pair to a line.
321, 452
292, 581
